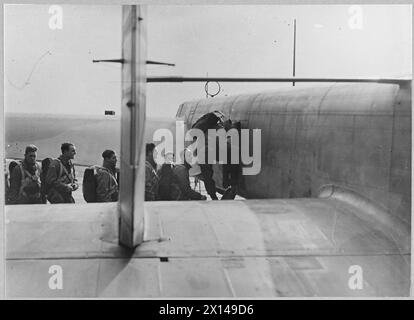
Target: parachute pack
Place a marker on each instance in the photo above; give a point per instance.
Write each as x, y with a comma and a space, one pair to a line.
12, 165
89, 184
45, 167
168, 187
30, 183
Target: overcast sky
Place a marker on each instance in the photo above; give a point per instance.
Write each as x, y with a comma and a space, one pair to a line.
51, 71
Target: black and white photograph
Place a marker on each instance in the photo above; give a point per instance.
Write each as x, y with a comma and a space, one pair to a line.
207, 151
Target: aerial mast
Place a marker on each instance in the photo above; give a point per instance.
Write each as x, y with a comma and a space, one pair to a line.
294, 50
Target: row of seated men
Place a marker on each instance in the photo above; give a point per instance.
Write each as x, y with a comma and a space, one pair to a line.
170, 182
55, 180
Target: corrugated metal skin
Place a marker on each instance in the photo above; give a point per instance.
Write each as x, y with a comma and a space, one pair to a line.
356, 136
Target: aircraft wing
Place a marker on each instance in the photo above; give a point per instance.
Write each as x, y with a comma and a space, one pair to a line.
251, 248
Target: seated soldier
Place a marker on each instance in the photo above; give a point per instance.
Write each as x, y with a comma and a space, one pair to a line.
60, 178
168, 187
107, 189
25, 180
151, 176
181, 171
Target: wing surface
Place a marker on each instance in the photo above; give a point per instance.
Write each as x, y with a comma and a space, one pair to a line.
248, 248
